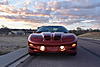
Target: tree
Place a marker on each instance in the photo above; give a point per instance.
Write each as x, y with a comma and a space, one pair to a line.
79, 29
4, 30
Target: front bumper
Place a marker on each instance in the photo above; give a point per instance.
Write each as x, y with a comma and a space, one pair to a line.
67, 50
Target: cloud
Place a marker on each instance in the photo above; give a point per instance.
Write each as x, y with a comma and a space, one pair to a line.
32, 10
4, 2
67, 7
40, 5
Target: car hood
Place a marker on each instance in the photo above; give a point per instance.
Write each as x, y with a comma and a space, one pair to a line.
52, 38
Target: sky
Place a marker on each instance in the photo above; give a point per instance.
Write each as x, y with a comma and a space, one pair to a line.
30, 14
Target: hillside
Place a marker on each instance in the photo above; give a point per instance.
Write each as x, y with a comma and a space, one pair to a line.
94, 35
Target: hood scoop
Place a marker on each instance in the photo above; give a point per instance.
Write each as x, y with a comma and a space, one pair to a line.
57, 37
52, 36
47, 37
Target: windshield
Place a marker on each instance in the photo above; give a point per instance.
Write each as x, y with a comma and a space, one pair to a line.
52, 29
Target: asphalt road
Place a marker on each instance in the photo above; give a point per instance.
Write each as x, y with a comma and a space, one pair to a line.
88, 56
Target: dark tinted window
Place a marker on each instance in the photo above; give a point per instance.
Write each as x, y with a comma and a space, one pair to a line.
52, 29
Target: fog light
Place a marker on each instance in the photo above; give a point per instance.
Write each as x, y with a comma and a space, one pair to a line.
73, 45
30, 44
42, 48
62, 48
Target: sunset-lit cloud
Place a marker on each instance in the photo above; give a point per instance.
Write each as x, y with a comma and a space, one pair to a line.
72, 12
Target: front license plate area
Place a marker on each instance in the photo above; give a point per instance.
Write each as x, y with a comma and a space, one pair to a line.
52, 48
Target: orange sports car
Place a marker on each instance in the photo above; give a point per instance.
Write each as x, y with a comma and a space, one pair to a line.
52, 39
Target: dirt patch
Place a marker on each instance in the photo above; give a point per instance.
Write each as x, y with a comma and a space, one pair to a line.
12, 43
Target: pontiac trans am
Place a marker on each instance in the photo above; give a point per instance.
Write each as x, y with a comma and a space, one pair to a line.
52, 39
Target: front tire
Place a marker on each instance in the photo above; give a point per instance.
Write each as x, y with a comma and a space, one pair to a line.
31, 54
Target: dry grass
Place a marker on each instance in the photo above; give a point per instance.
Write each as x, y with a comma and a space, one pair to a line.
12, 43
94, 35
